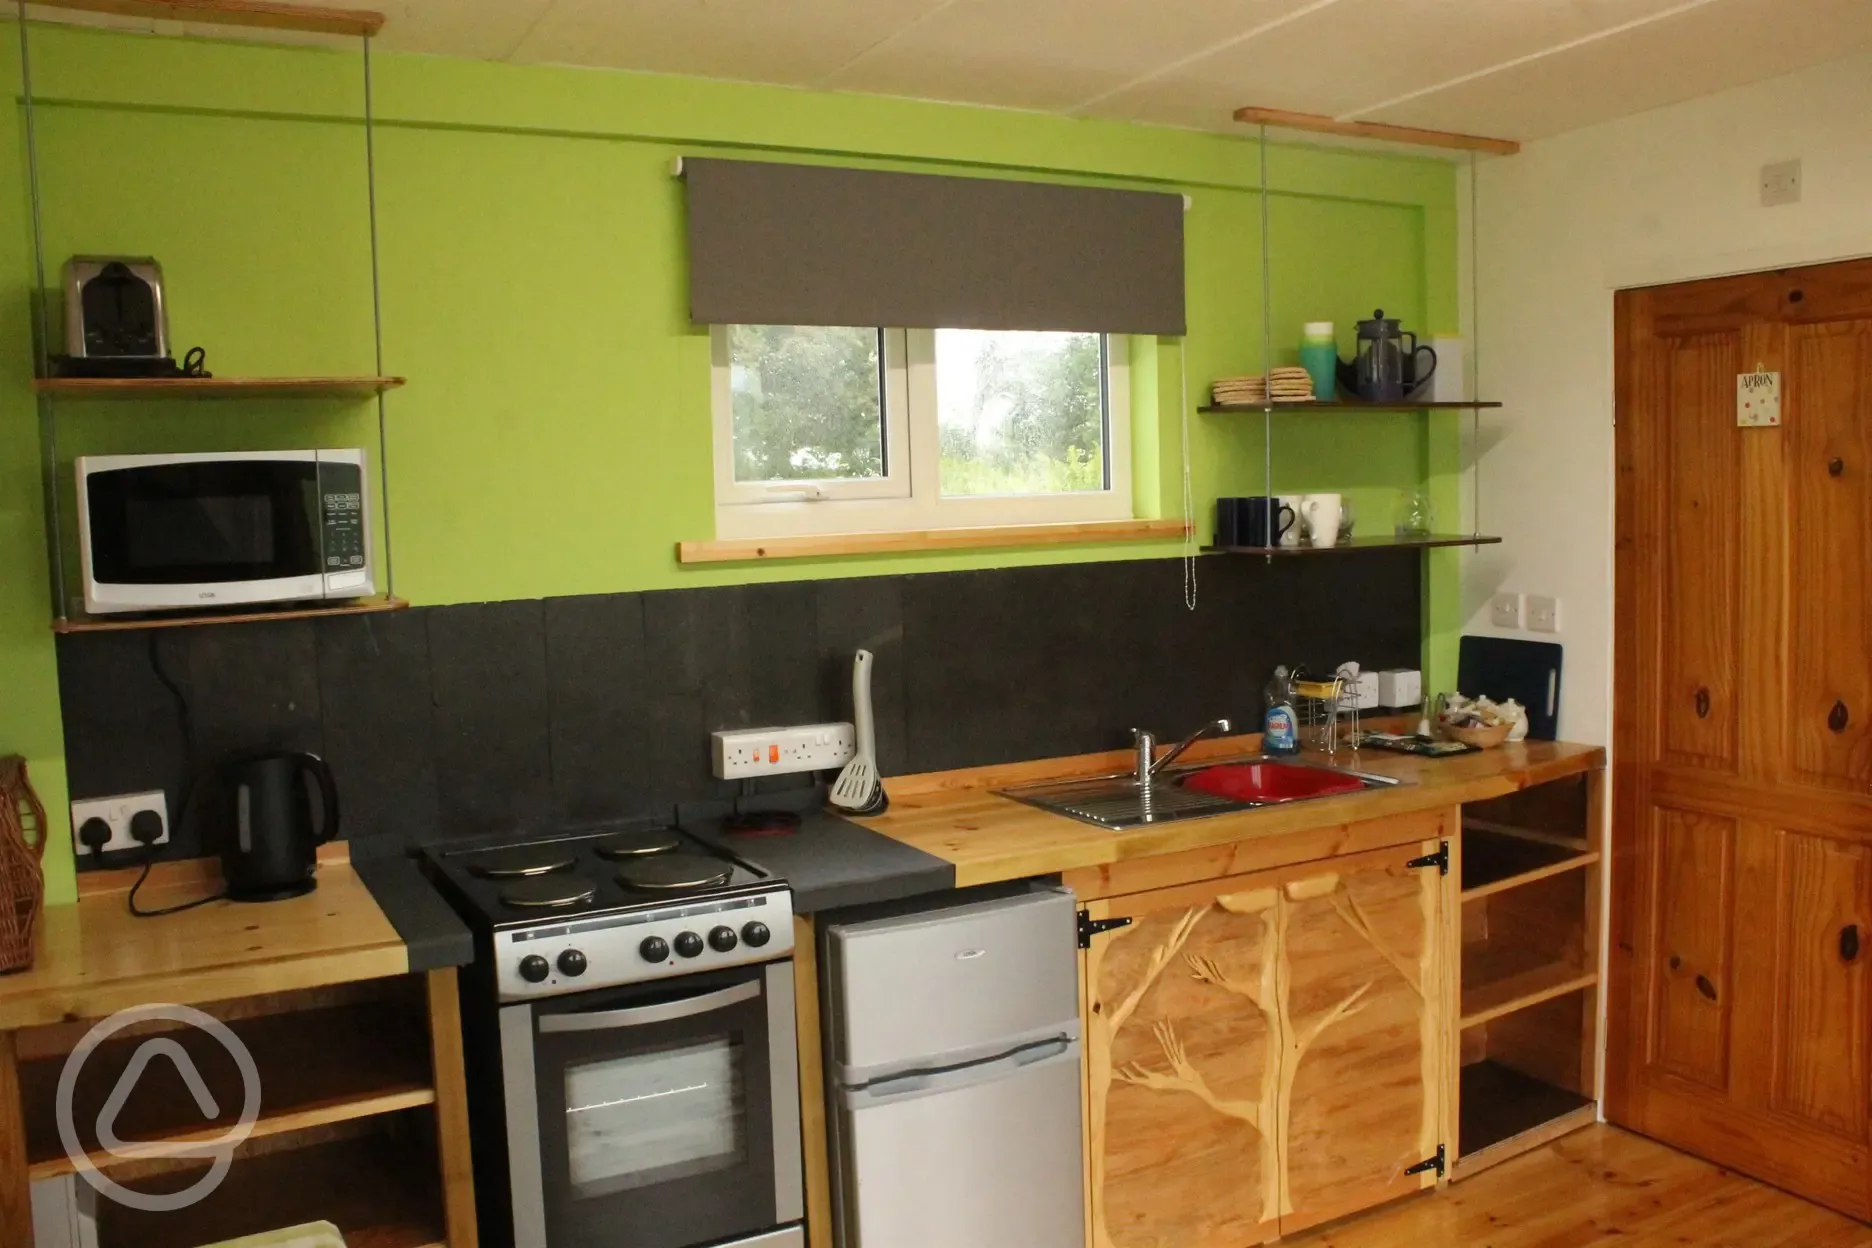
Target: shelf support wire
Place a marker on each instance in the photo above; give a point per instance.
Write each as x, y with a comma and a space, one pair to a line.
42, 349
1475, 348
376, 279
1267, 357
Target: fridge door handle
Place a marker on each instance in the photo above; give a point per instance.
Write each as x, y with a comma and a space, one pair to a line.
644, 1015
921, 1081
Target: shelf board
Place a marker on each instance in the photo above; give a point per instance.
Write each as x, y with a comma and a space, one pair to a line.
377, 1192
1499, 1104
120, 624
266, 14
1490, 997
1493, 862
215, 387
1361, 543
1416, 136
318, 1067
1350, 405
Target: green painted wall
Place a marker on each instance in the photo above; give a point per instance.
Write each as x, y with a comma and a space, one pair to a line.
555, 435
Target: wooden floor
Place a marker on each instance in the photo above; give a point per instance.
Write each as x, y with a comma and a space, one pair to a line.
1598, 1186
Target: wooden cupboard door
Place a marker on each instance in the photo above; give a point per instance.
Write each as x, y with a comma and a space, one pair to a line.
1182, 1066
1361, 1060
1828, 701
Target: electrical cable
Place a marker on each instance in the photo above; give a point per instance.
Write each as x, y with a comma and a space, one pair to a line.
185, 719
149, 860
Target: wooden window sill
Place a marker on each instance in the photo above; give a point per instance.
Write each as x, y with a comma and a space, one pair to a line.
914, 541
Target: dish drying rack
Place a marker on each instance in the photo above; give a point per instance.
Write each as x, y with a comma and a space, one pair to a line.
1329, 718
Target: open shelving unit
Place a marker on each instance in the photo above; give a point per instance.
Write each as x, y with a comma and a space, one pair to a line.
1428, 541
1527, 1046
1346, 405
52, 391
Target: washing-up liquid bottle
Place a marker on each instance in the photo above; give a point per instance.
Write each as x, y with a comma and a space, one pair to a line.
1280, 733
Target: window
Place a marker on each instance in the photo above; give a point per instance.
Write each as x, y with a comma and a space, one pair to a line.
838, 430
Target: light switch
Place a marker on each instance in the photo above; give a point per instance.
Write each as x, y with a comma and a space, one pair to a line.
1543, 614
1505, 610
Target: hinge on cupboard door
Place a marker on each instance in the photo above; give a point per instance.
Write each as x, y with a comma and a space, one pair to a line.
1439, 860
1090, 927
1437, 1163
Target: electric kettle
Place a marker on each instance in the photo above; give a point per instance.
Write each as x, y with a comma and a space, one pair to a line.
268, 842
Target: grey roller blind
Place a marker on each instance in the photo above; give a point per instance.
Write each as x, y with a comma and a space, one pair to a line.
773, 244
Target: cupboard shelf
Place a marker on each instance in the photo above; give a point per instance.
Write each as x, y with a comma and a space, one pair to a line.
146, 388
1486, 998
1494, 862
1350, 545
1499, 1103
1343, 405
321, 1067
368, 1188
108, 624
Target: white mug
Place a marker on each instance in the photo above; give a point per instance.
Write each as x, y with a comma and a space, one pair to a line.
1295, 530
1322, 517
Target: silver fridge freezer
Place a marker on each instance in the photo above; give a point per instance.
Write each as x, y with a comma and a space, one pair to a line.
953, 1048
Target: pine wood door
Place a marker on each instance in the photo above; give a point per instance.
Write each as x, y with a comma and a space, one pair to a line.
1260, 1050
1743, 729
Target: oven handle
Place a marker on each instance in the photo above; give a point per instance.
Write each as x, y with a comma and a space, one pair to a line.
644, 1015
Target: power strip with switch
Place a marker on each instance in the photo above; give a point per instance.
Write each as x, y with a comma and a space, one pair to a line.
104, 824
743, 753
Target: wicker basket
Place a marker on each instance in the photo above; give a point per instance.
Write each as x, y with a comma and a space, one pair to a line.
22, 879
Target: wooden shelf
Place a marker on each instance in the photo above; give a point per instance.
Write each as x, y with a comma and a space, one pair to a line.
1360, 543
319, 1067
147, 388
914, 541
379, 1194
1320, 124
265, 14
1349, 405
120, 624
1486, 997
1494, 861
1500, 1103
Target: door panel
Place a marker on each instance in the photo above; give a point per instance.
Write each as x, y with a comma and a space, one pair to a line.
1742, 841
1693, 868
1182, 1074
1361, 1052
1829, 695
1701, 540
1819, 992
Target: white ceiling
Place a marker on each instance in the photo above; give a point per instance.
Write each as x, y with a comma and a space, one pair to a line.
1518, 69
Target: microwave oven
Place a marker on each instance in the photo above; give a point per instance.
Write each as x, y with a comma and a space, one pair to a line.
180, 532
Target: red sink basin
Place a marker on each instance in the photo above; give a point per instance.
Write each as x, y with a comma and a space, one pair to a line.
1271, 782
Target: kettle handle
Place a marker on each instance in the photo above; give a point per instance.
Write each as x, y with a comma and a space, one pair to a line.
321, 772
1427, 373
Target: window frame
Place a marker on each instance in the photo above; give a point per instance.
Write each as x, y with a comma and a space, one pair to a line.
909, 496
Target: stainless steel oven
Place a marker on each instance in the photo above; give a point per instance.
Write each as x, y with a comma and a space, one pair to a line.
656, 1115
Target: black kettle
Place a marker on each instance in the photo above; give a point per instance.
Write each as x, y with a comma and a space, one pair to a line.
269, 845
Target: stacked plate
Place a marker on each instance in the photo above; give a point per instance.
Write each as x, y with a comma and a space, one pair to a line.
1290, 385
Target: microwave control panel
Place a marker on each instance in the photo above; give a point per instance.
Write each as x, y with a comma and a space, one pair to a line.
341, 493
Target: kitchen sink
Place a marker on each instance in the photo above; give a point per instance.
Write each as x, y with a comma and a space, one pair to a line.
1200, 791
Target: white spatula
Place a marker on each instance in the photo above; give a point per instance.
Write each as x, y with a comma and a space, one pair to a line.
857, 788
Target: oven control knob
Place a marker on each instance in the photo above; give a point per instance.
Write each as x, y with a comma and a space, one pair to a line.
689, 945
654, 949
756, 934
572, 962
723, 939
534, 969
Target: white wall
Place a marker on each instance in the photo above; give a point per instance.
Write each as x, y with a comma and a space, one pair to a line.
1665, 196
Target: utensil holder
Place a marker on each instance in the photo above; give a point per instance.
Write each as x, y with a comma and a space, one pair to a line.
22, 877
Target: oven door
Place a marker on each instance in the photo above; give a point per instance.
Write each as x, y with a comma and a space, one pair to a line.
659, 1115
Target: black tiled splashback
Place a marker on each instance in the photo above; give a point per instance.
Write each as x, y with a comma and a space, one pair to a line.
461, 720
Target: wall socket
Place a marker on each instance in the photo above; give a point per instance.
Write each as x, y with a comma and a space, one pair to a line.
1781, 183
118, 812
747, 752
1505, 610
1543, 614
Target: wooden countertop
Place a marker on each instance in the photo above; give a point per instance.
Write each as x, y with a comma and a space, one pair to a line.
95, 958
957, 817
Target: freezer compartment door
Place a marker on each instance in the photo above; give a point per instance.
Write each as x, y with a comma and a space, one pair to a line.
952, 985
991, 1164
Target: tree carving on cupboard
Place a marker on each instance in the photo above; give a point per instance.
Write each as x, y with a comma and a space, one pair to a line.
1261, 1053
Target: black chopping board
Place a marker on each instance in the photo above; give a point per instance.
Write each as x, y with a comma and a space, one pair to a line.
1500, 668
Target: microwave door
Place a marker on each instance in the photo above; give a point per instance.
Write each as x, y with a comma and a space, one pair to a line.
201, 531
659, 1119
